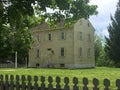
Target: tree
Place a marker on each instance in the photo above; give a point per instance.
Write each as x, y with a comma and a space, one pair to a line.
15, 20
98, 47
101, 58
112, 46
14, 10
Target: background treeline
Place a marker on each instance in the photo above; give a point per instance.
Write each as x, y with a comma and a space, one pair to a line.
109, 53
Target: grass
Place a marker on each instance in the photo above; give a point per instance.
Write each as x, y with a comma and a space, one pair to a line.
99, 72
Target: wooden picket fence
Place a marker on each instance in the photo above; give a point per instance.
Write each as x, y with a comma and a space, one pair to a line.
11, 82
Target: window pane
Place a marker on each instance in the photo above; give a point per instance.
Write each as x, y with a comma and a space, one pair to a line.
49, 36
37, 55
62, 51
62, 35
80, 35
80, 51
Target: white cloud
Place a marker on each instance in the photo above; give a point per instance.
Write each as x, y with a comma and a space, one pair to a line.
102, 20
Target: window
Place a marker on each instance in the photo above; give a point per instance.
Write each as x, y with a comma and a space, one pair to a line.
49, 36
37, 53
80, 35
62, 52
88, 52
62, 65
62, 35
50, 50
88, 24
89, 39
80, 52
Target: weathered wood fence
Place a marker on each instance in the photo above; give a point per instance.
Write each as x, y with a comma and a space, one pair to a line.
38, 83
10, 66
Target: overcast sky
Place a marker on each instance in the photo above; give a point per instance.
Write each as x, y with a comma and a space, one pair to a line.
102, 20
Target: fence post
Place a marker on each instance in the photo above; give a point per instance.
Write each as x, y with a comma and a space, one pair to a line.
106, 84
118, 84
95, 83
66, 81
58, 87
35, 84
75, 81
50, 80
29, 83
85, 82
11, 82
1, 83
42, 83
23, 83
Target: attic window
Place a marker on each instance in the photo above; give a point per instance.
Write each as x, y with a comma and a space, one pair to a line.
88, 24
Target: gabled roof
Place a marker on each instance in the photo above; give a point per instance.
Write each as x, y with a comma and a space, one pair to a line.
61, 25
44, 27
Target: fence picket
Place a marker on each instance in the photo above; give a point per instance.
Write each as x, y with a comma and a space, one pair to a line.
11, 82
1, 83
85, 82
23, 83
95, 83
66, 81
6, 83
35, 84
50, 80
17, 82
118, 84
58, 86
106, 84
42, 83
29, 82
75, 81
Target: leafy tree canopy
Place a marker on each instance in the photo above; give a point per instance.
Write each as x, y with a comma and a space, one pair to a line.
14, 10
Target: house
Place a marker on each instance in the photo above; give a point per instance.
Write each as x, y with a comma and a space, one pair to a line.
71, 47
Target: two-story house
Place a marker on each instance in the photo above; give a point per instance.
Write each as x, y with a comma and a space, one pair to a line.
71, 47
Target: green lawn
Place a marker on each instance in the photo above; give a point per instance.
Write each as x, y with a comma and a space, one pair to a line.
99, 72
